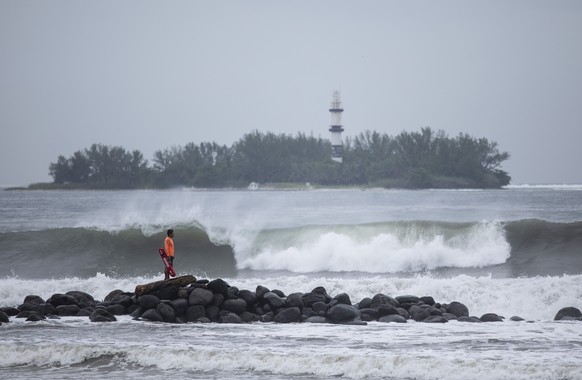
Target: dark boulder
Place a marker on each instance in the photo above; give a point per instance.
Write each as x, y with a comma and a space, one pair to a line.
387, 310
4, 317
180, 305
435, 319
152, 315
33, 299
343, 298
515, 318
342, 313
112, 294
491, 317
148, 301
382, 300
232, 292
82, 298
212, 312
420, 314
321, 290
101, 315
320, 308
568, 313
316, 319
218, 286
295, 300
200, 296
472, 319
457, 309
62, 299
274, 300
407, 299
396, 318
35, 317
310, 298
166, 311
449, 316
288, 315
427, 300
261, 291
248, 317
217, 300
166, 293
249, 297
136, 313
116, 309
11, 311
196, 312
68, 310
123, 300
236, 305
369, 314
279, 293
228, 317
365, 303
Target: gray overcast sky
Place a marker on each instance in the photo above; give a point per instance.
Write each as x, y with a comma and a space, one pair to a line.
148, 75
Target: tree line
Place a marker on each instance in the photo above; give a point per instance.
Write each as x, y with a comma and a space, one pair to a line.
424, 159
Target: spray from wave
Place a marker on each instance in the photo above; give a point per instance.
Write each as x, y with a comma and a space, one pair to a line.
379, 248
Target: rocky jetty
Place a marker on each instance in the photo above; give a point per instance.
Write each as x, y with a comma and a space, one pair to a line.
185, 299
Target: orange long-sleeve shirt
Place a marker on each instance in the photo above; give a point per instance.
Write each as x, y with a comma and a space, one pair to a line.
169, 246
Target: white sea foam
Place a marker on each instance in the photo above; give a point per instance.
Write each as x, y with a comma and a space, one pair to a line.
415, 350
384, 252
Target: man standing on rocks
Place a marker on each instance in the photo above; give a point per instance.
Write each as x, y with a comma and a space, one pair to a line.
169, 248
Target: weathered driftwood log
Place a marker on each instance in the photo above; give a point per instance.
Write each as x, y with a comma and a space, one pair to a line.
178, 281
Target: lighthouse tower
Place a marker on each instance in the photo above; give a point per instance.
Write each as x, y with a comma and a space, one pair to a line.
336, 128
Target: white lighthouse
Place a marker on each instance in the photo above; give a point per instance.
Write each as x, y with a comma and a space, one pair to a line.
336, 128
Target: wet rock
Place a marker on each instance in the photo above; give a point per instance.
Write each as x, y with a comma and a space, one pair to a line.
249, 297
383, 300
435, 319
196, 312
4, 317
289, 315
61, 299
515, 318
342, 313
218, 286
35, 317
295, 300
457, 309
101, 315
116, 309
68, 310
472, 319
343, 298
396, 318
180, 305
201, 296
148, 301
491, 317
11, 311
236, 306
152, 315
568, 313
407, 299
228, 317
274, 300
166, 311
33, 299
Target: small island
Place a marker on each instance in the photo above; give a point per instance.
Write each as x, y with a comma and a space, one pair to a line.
410, 160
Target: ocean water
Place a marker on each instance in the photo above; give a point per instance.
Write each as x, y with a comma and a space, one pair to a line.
514, 252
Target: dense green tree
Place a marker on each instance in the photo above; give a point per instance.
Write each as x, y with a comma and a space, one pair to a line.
411, 159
